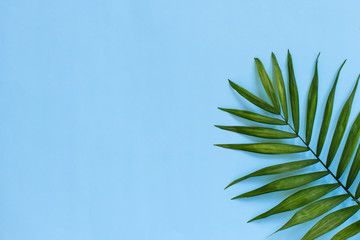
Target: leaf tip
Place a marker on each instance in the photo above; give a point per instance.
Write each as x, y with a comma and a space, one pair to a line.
240, 196
219, 126
274, 233
251, 220
227, 186
343, 63
257, 60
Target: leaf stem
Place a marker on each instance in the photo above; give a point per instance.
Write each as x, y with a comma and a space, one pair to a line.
319, 160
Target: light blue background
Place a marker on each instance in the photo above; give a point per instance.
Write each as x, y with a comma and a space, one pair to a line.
107, 112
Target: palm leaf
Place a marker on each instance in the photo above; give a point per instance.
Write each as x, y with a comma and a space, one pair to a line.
266, 148
299, 199
259, 132
348, 232
330, 222
255, 117
341, 126
312, 103
294, 95
280, 86
277, 169
354, 170
307, 199
348, 151
253, 99
314, 210
285, 184
269, 88
327, 114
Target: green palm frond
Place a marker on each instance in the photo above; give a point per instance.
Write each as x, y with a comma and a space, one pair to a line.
310, 201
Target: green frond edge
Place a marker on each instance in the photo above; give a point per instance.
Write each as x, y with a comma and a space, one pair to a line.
279, 108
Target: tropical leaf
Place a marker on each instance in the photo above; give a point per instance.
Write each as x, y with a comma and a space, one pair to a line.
266, 148
330, 222
259, 132
348, 232
254, 116
314, 210
354, 170
341, 126
269, 88
327, 114
277, 169
299, 199
294, 95
307, 199
253, 99
280, 87
348, 151
312, 103
285, 184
